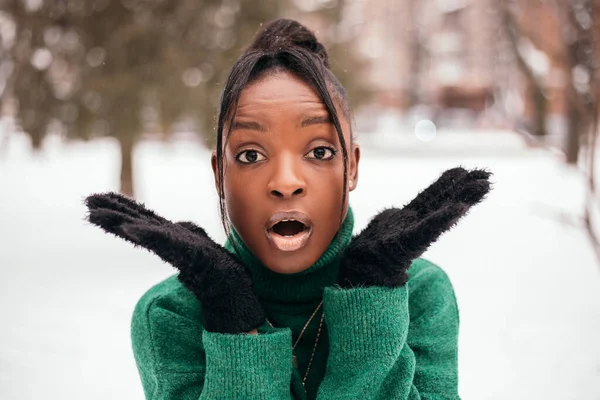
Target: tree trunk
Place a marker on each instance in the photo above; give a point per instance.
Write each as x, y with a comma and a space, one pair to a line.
415, 49
127, 144
575, 126
540, 111
535, 85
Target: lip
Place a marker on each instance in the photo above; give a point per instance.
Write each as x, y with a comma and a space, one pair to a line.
285, 215
289, 243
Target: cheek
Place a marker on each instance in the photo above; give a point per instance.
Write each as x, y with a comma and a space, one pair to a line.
330, 177
236, 180
245, 199
243, 210
325, 190
239, 191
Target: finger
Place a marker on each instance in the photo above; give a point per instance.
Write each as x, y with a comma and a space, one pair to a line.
477, 173
123, 204
473, 192
96, 200
386, 222
109, 220
195, 229
434, 196
175, 246
416, 240
140, 207
109, 201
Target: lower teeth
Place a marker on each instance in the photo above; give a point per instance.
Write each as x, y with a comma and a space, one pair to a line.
290, 235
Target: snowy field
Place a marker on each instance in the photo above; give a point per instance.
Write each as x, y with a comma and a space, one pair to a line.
527, 281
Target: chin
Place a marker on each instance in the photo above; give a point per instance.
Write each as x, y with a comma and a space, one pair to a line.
288, 264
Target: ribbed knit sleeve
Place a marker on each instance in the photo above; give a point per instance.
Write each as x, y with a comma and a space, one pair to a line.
370, 332
248, 366
178, 359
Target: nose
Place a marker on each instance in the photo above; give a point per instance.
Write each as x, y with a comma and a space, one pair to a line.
286, 181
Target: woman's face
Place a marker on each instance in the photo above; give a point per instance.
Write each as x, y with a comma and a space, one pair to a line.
284, 172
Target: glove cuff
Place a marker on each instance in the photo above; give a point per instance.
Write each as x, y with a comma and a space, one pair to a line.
354, 273
233, 313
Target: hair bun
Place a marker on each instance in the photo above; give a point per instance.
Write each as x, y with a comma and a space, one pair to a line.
286, 33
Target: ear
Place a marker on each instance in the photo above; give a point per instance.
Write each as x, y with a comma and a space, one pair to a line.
353, 166
213, 162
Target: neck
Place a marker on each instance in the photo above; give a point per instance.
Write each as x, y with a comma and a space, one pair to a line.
301, 288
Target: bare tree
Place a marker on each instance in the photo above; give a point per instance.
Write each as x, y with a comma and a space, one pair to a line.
576, 17
516, 34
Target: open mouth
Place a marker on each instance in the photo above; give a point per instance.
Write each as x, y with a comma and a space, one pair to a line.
289, 231
289, 228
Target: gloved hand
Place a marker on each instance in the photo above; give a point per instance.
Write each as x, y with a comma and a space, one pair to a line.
383, 251
221, 283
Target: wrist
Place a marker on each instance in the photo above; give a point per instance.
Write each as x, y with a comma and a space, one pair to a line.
353, 274
366, 322
240, 316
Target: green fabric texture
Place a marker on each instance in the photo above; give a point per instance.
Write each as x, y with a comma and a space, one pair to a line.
375, 343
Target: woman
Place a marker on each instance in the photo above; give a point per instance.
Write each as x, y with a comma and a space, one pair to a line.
293, 306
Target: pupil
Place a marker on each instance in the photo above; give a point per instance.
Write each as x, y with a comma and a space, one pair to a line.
319, 152
251, 156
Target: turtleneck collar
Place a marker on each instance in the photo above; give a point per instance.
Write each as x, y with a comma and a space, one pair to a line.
304, 287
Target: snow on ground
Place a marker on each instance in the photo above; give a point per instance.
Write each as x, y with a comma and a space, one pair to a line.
527, 281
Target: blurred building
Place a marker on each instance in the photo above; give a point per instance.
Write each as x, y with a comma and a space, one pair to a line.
440, 52
456, 54
543, 48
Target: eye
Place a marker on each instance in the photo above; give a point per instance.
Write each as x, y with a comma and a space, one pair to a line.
249, 157
321, 153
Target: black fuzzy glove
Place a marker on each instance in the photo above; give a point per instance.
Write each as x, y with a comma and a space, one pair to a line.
383, 251
221, 283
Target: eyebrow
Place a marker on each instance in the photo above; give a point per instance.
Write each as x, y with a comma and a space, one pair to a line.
321, 119
253, 126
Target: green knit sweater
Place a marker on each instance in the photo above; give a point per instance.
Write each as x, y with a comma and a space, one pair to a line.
376, 343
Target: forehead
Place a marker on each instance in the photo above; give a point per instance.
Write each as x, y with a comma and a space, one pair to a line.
281, 91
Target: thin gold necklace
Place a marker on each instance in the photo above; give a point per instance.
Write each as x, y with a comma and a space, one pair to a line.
294, 358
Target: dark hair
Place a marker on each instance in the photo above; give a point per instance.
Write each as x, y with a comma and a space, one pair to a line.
282, 46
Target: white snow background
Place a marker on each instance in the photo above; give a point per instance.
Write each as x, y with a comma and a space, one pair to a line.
525, 275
